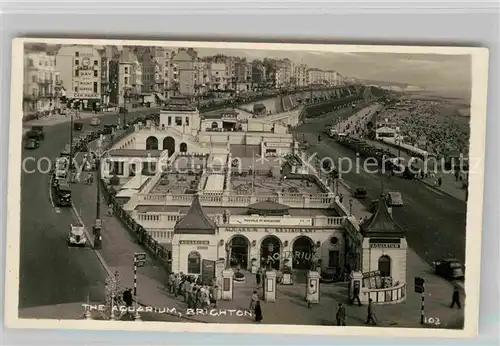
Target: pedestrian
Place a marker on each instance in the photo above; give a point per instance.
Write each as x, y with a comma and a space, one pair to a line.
110, 209
185, 289
253, 301
213, 295
177, 285
340, 315
355, 296
310, 291
258, 277
170, 284
371, 318
455, 298
258, 312
127, 297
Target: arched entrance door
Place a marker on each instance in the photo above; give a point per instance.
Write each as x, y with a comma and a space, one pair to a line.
215, 125
270, 252
239, 248
152, 143
183, 148
384, 266
303, 249
169, 144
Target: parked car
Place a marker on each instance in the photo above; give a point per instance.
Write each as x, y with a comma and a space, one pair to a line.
32, 143
394, 199
360, 193
450, 269
39, 131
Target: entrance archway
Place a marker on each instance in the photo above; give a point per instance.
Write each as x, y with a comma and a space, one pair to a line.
215, 125
238, 251
194, 263
183, 148
270, 252
152, 143
303, 249
384, 266
169, 144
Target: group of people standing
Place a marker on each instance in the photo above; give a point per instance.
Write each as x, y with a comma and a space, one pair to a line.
194, 292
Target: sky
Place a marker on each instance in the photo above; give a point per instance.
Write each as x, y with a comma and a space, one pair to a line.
443, 74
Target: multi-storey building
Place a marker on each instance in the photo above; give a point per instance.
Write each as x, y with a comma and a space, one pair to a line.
259, 76
316, 76
185, 73
41, 83
156, 68
109, 75
80, 74
300, 77
284, 73
243, 73
130, 77
218, 76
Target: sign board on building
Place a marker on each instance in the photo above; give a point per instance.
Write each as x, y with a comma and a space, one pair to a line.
83, 96
276, 229
419, 285
256, 220
385, 246
194, 242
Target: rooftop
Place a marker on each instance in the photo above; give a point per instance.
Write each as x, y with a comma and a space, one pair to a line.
195, 221
178, 104
381, 224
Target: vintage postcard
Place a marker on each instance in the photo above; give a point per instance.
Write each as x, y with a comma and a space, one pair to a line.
268, 188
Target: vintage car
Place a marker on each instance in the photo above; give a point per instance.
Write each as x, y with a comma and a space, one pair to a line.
77, 126
39, 131
450, 269
95, 122
360, 193
76, 236
32, 143
62, 193
394, 199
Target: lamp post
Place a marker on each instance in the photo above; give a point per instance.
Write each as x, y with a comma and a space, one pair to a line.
98, 221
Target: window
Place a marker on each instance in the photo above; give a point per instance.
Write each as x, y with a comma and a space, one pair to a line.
76, 73
77, 62
117, 168
33, 91
178, 121
76, 89
77, 54
169, 122
95, 87
334, 240
194, 263
40, 63
33, 79
333, 259
95, 73
126, 80
384, 266
126, 69
187, 121
148, 168
96, 62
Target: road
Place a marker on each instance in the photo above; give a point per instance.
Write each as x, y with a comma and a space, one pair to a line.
50, 271
434, 222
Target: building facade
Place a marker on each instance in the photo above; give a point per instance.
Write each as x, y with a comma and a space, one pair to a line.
301, 76
41, 84
129, 78
80, 74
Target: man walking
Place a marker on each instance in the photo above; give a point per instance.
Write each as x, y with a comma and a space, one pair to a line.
455, 299
355, 296
258, 277
371, 318
340, 315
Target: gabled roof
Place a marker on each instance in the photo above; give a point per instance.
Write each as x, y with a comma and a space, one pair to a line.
195, 221
381, 223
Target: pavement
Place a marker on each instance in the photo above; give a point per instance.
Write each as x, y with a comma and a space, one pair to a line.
51, 273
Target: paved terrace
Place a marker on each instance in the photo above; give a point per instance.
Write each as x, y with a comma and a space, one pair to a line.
264, 184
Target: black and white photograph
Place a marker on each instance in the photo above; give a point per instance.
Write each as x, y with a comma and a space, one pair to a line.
265, 188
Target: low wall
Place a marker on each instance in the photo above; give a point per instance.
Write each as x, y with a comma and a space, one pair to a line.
384, 296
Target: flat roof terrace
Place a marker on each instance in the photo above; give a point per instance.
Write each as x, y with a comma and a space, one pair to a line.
232, 211
176, 184
266, 185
